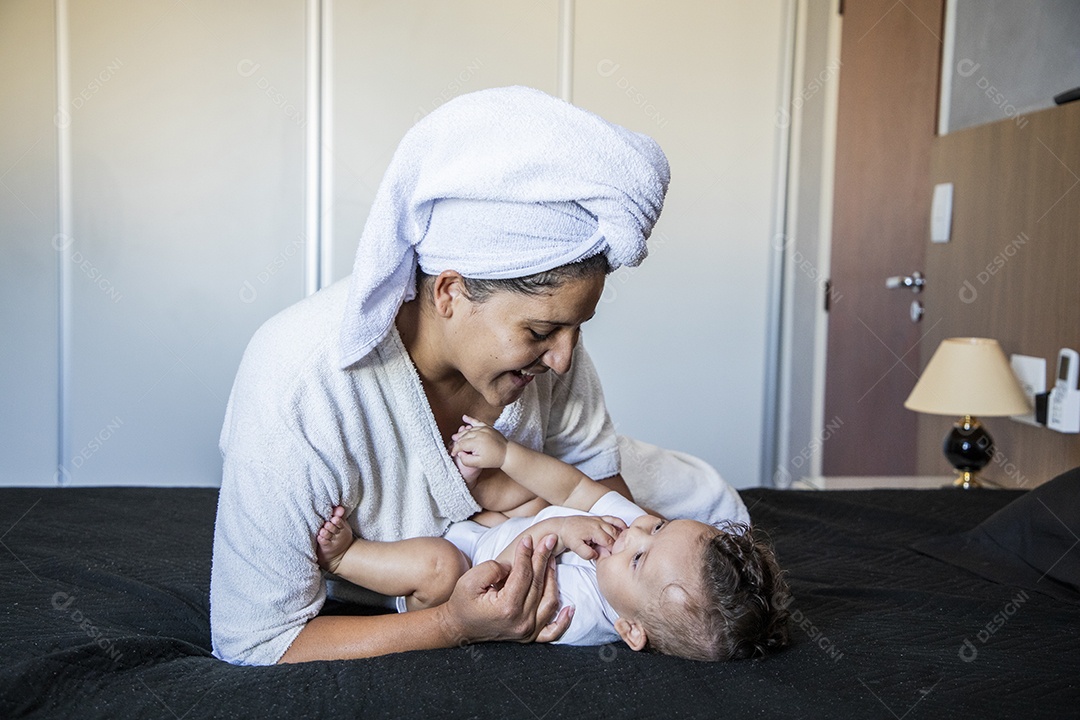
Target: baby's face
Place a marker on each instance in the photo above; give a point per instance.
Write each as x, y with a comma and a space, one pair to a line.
649, 556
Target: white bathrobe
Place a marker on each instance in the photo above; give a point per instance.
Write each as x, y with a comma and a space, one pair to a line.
302, 435
327, 408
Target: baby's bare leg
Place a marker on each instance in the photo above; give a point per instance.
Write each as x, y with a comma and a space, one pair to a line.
423, 570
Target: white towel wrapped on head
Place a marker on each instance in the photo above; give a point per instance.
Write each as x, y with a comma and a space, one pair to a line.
494, 239
500, 183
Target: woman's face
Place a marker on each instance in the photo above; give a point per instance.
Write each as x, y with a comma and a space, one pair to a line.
501, 344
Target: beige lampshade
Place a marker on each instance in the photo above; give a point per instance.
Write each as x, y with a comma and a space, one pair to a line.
968, 376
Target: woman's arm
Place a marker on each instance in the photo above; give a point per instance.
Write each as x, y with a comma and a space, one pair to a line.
490, 602
616, 483
344, 637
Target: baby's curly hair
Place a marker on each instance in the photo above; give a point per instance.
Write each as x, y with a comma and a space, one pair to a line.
741, 611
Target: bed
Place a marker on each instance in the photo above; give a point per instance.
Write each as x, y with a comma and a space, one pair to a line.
105, 614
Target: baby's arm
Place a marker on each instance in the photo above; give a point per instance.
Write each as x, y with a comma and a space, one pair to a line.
498, 494
477, 445
495, 490
581, 534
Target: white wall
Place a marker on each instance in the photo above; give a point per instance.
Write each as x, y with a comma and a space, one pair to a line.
28, 271
181, 203
682, 341
393, 63
148, 204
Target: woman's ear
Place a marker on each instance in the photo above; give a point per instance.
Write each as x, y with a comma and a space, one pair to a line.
447, 287
632, 633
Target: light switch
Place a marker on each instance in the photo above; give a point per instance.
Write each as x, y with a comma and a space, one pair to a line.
941, 213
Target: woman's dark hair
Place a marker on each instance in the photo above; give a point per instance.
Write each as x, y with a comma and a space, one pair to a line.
542, 283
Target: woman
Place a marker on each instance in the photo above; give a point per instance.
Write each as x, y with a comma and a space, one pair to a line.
483, 254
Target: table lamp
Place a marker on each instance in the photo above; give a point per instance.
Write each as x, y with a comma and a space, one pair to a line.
968, 377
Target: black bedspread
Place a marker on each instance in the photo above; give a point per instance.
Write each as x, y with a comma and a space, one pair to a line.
105, 614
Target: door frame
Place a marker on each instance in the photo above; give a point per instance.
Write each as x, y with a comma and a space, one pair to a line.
806, 244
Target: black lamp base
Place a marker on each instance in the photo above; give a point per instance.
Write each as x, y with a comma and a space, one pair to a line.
969, 448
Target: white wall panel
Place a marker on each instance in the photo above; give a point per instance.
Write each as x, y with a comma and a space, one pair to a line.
187, 137
392, 63
28, 268
681, 341
183, 214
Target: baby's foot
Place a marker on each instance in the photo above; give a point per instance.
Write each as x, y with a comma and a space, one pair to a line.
333, 540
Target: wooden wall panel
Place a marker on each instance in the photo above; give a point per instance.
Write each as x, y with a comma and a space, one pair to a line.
1011, 271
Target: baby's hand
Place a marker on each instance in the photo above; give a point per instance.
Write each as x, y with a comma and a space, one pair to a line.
478, 446
586, 534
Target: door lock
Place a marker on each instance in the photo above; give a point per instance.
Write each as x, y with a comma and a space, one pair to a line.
915, 281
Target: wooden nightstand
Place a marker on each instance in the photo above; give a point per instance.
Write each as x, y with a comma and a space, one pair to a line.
905, 482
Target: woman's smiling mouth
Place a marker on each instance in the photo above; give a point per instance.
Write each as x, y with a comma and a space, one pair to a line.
522, 378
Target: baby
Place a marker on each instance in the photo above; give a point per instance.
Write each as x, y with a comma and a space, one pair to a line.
676, 587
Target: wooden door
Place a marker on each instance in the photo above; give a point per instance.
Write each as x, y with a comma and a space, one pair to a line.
890, 68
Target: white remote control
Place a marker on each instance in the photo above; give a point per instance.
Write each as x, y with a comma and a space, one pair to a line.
1063, 409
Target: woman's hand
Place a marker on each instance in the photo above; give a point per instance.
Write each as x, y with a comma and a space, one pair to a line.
477, 445
585, 534
495, 602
